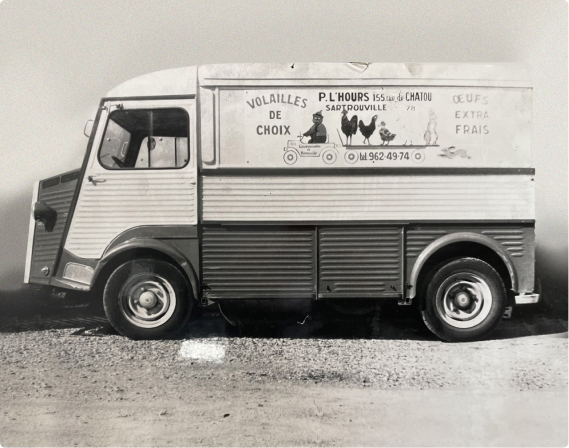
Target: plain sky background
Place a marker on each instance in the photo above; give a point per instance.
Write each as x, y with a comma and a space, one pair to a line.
58, 58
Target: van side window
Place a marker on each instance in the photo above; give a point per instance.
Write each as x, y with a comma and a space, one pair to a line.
146, 139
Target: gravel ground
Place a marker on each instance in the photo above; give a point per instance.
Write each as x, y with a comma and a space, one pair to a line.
298, 386
519, 364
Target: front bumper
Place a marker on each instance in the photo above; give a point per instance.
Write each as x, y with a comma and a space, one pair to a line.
523, 299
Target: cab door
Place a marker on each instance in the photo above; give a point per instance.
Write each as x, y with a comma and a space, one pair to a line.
142, 171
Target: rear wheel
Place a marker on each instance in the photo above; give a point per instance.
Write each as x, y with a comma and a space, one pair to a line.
147, 299
329, 156
465, 300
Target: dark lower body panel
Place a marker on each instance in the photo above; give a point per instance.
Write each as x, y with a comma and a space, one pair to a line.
340, 261
302, 262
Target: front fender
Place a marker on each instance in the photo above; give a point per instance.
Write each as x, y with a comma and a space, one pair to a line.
152, 244
459, 237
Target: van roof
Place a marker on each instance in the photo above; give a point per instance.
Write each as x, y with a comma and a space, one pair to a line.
184, 81
171, 82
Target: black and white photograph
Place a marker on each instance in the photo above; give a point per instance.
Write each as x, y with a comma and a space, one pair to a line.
286, 223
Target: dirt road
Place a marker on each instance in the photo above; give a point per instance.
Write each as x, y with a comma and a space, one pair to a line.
245, 414
89, 387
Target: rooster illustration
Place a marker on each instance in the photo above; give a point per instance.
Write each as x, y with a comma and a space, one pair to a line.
349, 127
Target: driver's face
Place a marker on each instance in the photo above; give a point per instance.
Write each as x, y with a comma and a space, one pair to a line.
317, 119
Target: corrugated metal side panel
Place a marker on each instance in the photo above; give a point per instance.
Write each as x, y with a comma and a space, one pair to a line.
417, 240
129, 199
46, 244
332, 198
360, 261
258, 263
512, 239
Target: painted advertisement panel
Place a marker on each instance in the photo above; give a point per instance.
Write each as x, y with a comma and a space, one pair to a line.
375, 127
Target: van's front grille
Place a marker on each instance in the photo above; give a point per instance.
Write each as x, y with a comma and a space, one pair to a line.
57, 193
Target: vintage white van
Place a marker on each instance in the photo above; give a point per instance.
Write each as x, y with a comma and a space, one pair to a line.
299, 181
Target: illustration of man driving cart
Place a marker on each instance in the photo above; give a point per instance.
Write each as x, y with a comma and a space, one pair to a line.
315, 147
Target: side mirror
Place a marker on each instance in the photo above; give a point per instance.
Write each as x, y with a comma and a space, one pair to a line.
88, 128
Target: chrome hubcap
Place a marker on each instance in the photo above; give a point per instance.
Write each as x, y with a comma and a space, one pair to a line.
147, 300
464, 300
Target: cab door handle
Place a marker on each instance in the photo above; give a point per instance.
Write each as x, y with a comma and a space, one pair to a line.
95, 179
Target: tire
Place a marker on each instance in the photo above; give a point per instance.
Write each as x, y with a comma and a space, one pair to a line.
290, 157
418, 156
351, 157
159, 314
329, 156
464, 301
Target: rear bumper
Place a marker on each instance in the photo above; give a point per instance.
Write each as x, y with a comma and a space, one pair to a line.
525, 298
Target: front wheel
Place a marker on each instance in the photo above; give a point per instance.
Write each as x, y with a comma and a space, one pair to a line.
290, 157
147, 299
464, 301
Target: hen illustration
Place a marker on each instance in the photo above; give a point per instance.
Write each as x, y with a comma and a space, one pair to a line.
367, 131
385, 135
349, 127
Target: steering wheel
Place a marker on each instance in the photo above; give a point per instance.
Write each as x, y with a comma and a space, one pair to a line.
118, 161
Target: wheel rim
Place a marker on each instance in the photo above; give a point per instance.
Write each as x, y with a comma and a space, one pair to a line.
290, 157
351, 157
417, 156
147, 300
329, 157
464, 300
